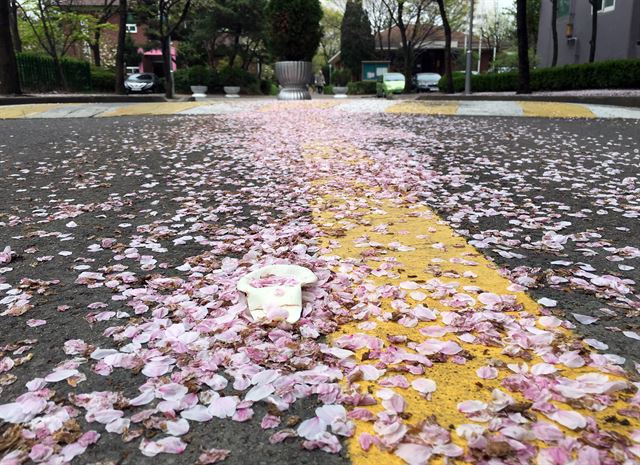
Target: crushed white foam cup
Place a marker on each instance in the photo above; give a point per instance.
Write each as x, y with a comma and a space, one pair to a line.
288, 297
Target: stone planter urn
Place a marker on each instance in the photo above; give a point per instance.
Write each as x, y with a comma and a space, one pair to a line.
232, 91
339, 92
294, 77
199, 92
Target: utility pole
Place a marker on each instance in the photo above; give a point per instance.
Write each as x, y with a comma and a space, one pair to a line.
467, 78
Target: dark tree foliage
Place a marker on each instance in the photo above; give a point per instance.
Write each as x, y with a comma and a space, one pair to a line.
9, 82
294, 30
357, 42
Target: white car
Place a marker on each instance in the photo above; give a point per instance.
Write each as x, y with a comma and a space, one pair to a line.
142, 82
426, 82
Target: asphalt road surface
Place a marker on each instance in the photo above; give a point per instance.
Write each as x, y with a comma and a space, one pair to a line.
93, 209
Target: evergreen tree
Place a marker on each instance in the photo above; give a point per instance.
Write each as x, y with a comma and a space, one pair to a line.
357, 40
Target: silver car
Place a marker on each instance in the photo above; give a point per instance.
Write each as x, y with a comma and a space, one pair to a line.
142, 82
426, 82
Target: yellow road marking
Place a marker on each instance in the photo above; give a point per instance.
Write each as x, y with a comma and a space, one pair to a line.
436, 249
142, 109
425, 108
556, 110
24, 111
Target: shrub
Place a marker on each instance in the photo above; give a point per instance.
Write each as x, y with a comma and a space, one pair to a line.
229, 76
38, 73
341, 77
103, 79
328, 90
612, 74
293, 29
362, 87
198, 75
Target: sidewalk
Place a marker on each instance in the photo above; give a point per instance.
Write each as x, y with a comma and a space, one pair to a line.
445, 106
611, 97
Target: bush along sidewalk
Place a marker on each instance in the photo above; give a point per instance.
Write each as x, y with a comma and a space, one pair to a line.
613, 74
362, 87
38, 73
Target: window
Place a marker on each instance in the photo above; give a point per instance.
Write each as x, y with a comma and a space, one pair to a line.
133, 28
133, 69
605, 5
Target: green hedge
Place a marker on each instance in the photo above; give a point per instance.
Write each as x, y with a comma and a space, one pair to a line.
38, 73
102, 79
215, 81
613, 74
361, 87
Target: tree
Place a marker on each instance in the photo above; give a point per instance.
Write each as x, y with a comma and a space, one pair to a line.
356, 40
163, 18
120, 53
496, 29
595, 5
9, 80
524, 86
15, 33
554, 32
56, 27
410, 17
294, 30
381, 22
108, 8
416, 21
448, 71
330, 24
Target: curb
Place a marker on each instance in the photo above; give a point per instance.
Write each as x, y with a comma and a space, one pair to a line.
26, 100
613, 101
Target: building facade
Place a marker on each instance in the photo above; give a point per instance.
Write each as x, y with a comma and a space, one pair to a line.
150, 60
618, 34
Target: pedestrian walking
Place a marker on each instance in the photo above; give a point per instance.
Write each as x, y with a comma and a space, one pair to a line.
320, 82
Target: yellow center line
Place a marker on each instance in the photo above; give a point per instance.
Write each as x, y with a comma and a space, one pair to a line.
151, 109
360, 228
24, 111
556, 110
425, 108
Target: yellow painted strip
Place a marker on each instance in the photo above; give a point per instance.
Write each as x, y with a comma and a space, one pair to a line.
24, 111
556, 110
425, 108
354, 212
145, 109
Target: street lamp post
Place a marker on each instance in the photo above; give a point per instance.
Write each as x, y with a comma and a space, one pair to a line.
467, 78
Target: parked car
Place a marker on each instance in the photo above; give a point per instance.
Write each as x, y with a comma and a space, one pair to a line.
142, 82
389, 83
426, 82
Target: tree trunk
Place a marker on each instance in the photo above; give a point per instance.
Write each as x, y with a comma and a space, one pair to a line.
448, 72
15, 33
57, 64
594, 30
9, 79
95, 48
554, 31
524, 85
122, 35
234, 50
166, 66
